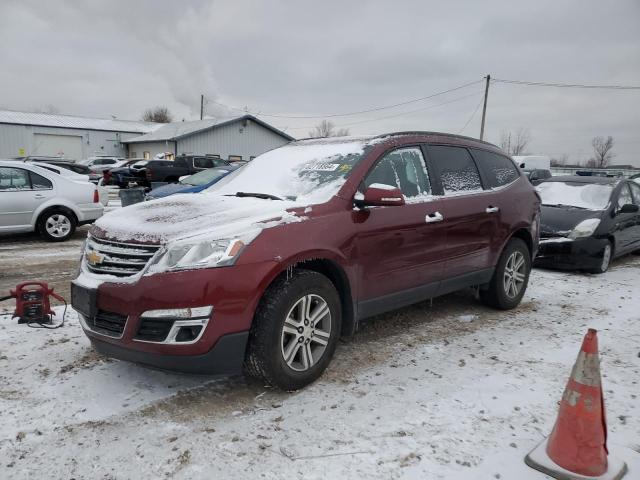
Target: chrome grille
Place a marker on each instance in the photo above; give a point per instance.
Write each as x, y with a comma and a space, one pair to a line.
117, 258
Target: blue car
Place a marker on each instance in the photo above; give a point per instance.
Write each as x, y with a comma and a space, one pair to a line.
193, 183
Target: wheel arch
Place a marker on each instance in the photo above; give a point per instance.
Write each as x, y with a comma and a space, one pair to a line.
525, 236
335, 272
62, 207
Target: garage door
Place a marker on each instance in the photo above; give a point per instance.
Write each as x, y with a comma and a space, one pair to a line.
69, 146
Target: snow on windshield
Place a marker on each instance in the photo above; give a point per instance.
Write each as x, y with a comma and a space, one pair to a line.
592, 196
310, 171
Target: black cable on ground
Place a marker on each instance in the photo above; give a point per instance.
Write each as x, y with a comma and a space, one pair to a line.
47, 326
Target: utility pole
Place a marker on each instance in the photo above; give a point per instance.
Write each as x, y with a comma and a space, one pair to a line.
202, 107
484, 108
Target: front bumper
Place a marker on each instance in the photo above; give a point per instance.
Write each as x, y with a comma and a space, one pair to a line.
565, 253
225, 358
233, 291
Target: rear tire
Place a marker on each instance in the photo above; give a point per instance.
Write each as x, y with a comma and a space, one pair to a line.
56, 224
295, 331
605, 261
511, 277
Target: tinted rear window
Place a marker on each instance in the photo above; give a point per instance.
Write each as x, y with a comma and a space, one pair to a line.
498, 169
456, 169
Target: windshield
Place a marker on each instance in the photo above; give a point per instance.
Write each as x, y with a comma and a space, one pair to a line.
204, 177
592, 196
310, 171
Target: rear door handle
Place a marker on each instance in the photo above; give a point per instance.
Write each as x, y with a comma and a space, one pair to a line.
434, 217
491, 209
38, 195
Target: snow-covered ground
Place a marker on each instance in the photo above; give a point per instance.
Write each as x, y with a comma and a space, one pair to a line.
451, 391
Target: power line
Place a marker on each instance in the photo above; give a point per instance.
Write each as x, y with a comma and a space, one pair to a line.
396, 114
472, 115
567, 85
347, 114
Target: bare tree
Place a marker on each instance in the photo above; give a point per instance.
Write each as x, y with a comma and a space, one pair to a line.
591, 163
326, 129
602, 148
158, 115
560, 161
515, 143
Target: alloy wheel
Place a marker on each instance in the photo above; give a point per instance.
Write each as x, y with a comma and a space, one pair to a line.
514, 274
306, 332
58, 225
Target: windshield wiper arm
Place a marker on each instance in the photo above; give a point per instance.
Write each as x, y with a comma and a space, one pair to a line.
265, 196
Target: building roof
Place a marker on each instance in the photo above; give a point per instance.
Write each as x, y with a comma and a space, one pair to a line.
68, 121
177, 130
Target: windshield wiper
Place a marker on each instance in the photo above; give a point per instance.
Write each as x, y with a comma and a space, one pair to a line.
265, 196
562, 205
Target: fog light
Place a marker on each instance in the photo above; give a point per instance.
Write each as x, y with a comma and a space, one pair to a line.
188, 334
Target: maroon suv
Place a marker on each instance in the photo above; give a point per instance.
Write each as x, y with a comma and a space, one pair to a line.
268, 268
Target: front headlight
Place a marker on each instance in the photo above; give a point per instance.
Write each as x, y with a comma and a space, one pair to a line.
585, 228
204, 254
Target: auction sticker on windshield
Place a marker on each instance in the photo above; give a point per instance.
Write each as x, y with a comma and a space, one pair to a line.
321, 167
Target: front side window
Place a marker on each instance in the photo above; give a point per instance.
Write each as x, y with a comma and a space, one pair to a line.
499, 170
403, 168
38, 182
635, 192
14, 179
625, 196
456, 169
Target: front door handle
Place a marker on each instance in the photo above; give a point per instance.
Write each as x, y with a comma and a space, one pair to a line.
491, 209
434, 217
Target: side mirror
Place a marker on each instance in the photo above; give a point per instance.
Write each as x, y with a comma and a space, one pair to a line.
379, 195
629, 208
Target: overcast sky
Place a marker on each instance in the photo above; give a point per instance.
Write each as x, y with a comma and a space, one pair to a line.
302, 58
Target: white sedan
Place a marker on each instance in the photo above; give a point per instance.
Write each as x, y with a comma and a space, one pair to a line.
33, 198
76, 177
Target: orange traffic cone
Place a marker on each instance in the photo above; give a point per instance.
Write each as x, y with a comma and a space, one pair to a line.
577, 446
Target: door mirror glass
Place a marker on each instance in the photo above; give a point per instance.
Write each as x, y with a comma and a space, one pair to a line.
380, 195
629, 208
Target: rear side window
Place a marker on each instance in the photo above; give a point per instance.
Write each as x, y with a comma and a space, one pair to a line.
456, 169
38, 182
202, 162
403, 168
12, 179
498, 169
180, 162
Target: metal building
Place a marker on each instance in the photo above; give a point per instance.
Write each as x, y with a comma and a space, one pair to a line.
23, 134
240, 138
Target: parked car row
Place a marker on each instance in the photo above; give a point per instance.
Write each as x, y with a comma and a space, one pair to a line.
276, 263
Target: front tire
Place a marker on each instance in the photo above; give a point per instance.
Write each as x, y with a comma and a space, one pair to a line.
56, 225
511, 277
605, 261
295, 331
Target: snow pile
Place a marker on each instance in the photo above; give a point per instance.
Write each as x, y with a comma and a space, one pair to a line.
592, 196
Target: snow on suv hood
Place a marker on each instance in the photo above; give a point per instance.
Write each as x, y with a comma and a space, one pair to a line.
185, 215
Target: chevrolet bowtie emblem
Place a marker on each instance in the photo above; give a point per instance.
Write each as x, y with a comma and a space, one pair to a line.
94, 258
